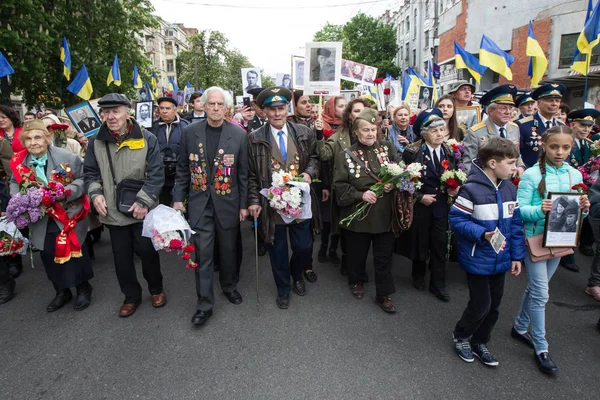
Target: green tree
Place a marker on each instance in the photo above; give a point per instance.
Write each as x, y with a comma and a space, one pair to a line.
31, 32
330, 33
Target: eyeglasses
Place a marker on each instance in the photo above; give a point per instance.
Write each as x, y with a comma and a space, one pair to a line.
213, 104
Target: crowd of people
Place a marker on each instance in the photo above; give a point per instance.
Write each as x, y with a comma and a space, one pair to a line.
213, 163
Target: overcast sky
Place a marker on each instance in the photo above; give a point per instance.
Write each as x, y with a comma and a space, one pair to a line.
273, 31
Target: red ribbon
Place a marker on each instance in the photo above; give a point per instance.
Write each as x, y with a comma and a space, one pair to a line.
67, 244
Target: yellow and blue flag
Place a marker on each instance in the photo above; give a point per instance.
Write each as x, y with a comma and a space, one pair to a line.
493, 57
538, 63
153, 80
172, 85
590, 35
465, 60
114, 75
81, 85
137, 81
149, 92
5, 68
411, 81
65, 57
581, 62
431, 81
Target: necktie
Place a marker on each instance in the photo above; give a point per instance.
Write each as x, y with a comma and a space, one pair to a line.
282, 146
40, 164
548, 124
502, 133
436, 161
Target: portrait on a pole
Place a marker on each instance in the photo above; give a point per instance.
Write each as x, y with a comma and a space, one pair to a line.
84, 118
250, 79
143, 113
298, 72
323, 67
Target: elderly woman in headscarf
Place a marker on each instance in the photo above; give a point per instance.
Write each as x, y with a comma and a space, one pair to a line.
356, 170
61, 232
427, 235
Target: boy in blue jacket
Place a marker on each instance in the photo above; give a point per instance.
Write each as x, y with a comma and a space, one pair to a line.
488, 200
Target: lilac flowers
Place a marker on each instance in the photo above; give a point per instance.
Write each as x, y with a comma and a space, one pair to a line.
26, 208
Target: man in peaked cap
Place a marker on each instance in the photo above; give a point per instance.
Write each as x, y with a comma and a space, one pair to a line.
499, 103
281, 145
533, 127
324, 70
462, 93
260, 117
526, 105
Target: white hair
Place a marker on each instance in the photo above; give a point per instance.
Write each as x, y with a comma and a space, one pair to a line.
434, 124
226, 96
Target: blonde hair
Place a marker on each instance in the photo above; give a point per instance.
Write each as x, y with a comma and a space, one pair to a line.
25, 133
402, 106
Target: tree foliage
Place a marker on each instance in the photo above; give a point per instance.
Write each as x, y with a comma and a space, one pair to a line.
31, 32
365, 40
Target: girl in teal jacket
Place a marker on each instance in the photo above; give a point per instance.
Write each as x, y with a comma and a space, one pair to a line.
550, 174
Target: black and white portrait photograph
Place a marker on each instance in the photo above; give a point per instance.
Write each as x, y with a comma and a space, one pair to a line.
250, 79
323, 68
425, 96
298, 72
369, 74
283, 79
563, 221
350, 94
143, 113
180, 98
143, 95
84, 118
188, 91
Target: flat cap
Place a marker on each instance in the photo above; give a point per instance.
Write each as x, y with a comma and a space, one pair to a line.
114, 100
167, 98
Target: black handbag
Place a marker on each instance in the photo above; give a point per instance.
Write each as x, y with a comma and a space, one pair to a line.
127, 189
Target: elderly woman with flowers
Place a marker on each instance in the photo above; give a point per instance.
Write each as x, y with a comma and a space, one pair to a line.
357, 169
428, 233
48, 196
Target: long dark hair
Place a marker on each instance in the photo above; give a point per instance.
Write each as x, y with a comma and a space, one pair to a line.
555, 130
452, 122
346, 120
11, 114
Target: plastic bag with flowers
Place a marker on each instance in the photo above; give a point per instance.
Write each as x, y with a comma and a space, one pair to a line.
404, 177
12, 241
289, 196
452, 180
169, 231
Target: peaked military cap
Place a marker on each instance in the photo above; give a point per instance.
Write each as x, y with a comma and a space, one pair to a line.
425, 118
274, 97
587, 116
503, 94
523, 98
549, 90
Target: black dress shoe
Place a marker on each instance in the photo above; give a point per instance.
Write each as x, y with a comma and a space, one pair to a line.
84, 296
545, 363
333, 257
571, 267
15, 270
283, 302
300, 287
234, 297
322, 255
440, 294
63, 296
262, 250
419, 284
310, 276
586, 250
7, 291
200, 317
524, 338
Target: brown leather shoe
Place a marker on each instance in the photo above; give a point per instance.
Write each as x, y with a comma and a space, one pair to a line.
386, 304
358, 290
127, 310
159, 300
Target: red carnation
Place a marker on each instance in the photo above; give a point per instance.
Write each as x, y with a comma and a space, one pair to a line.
386, 91
452, 183
67, 192
191, 265
175, 244
580, 188
445, 164
47, 201
328, 132
62, 127
378, 81
52, 185
186, 256
189, 248
516, 180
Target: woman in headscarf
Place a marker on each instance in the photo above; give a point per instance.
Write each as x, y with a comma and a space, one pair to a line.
333, 112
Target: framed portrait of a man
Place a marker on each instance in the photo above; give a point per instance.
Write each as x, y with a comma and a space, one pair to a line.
298, 72
250, 79
563, 222
283, 79
468, 116
350, 94
143, 113
84, 118
425, 96
323, 68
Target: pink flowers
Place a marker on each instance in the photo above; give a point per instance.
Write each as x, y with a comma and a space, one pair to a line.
172, 241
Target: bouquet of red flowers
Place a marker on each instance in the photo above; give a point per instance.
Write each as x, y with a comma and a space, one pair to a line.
580, 188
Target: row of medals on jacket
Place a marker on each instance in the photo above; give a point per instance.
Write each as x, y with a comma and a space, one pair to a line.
382, 157
224, 188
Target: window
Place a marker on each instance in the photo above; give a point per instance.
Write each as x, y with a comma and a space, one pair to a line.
427, 39
169, 49
414, 57
170, 66
568, 45
407, 26
169, 32
495, 78
427, 9
415, 25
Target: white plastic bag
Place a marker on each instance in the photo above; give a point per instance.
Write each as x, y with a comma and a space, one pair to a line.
11, 229
306, 201
164, 219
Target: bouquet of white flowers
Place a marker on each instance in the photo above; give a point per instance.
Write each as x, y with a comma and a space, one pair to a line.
289, 197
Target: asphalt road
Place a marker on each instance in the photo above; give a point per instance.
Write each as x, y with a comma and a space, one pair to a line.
327, 345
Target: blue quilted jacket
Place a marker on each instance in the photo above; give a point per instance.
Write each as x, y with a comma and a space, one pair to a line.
480, 207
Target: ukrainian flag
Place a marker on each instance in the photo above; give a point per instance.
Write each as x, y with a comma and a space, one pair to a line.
149, 92
589, 36
65, 57
137, 81
538, 62
581, 62
81, 85
114, 75
411, 81
172, 85
490, 55
5, 68
431, 81
153, 80
468, 61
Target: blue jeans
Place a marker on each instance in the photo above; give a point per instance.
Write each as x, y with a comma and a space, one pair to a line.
281, 264
533, 305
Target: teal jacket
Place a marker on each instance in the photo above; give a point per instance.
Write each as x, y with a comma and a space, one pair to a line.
530, 202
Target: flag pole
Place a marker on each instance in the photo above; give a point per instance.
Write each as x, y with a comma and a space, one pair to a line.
587, 73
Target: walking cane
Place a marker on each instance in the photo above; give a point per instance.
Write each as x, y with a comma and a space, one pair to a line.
256, 260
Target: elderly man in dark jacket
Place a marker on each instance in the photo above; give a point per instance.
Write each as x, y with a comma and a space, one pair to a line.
121, 150
212, 173
168, 130
281, 145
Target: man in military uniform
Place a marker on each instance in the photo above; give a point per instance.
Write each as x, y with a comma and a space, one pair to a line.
533, 127
462, 93
260, 118
325, 69
526, 105
499, 104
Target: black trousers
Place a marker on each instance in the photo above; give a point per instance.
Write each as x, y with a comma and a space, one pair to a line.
125, 241
239, 253
4, 277
357, 247
482, 311
432, 237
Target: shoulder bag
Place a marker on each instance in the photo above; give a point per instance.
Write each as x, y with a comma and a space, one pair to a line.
127, 189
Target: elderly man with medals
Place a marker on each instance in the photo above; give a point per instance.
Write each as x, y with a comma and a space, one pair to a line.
212, 174
281, 145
